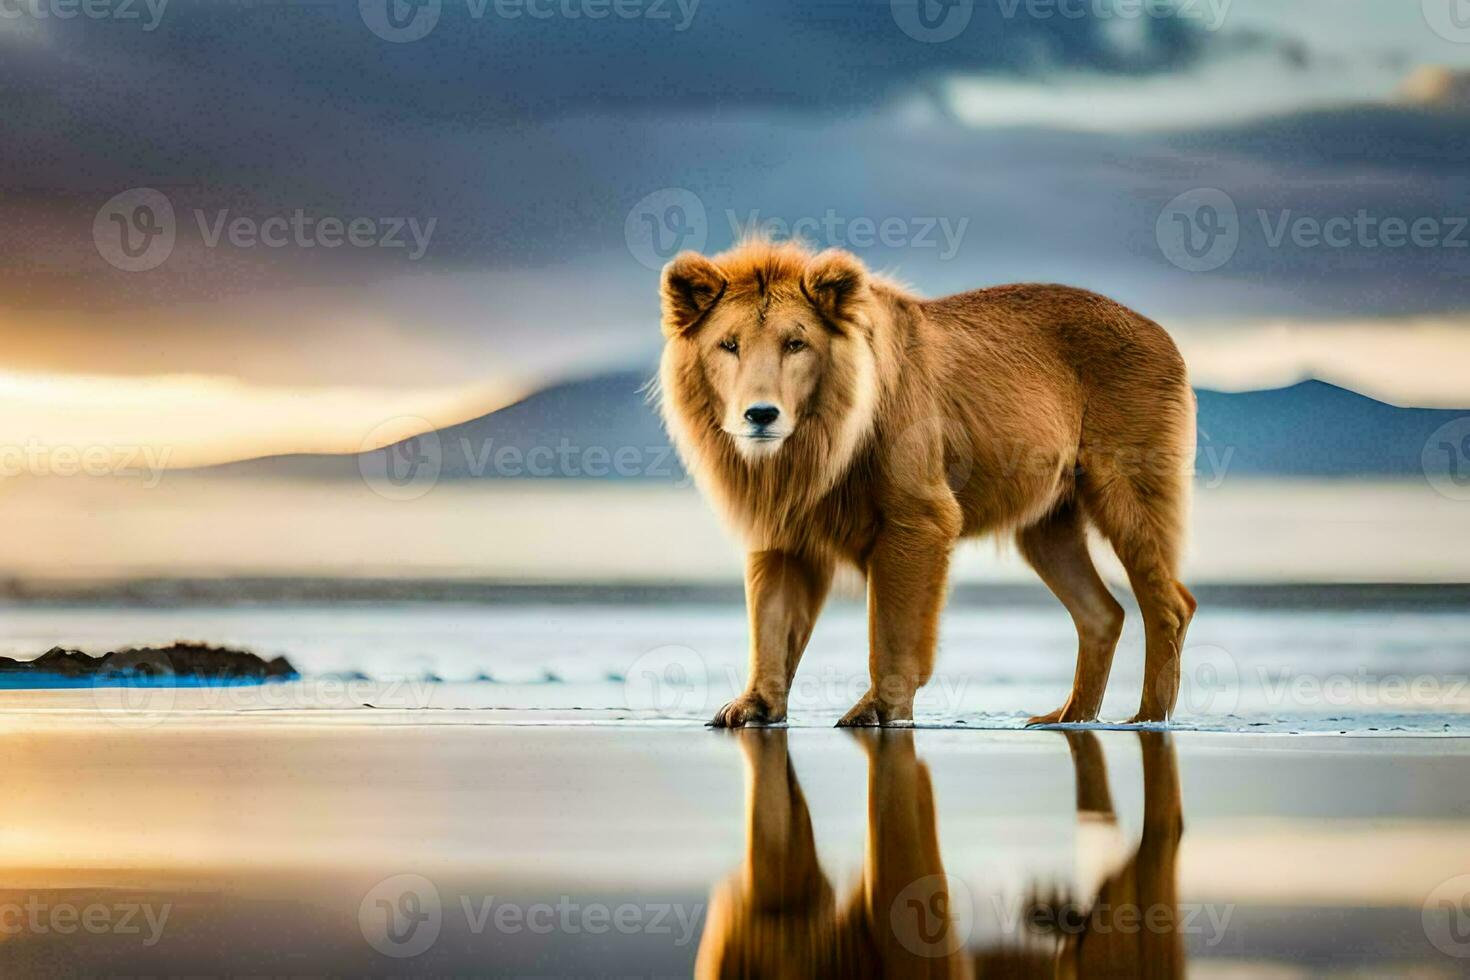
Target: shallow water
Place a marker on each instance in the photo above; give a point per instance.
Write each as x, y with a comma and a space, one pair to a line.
1364, 671
266, 849
527, 790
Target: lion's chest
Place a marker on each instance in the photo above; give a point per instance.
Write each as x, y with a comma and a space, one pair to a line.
836, 524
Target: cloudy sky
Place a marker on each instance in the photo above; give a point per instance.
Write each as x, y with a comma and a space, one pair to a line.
244, 226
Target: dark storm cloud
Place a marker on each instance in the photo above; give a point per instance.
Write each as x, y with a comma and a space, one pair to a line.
261, 96
498, 124
526, 59
1036, 204
526, 142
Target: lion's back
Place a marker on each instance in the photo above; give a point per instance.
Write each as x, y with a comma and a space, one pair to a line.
1096, 336
1058, 378
1079, 344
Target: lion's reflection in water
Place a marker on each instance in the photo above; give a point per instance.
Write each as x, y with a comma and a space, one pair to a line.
778, 916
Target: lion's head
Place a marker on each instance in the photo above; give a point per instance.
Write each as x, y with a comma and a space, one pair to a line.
768, 346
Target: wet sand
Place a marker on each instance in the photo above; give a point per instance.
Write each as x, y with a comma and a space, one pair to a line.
388, 847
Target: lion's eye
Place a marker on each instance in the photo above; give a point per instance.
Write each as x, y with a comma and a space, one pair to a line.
731, 345
793, 345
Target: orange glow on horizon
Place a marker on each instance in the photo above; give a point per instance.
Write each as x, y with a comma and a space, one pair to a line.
49, 420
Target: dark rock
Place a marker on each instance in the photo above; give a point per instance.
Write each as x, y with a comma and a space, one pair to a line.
192, 660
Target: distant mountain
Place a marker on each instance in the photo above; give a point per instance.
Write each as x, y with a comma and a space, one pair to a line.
602, 427
1315, 429
605, 428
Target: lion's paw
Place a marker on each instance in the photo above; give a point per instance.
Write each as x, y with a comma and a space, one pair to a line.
748, 709
1149, 716
1067, 714
872, 712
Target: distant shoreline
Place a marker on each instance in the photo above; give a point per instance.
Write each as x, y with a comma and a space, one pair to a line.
270, 590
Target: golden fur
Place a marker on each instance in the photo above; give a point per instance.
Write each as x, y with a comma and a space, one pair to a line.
905, 424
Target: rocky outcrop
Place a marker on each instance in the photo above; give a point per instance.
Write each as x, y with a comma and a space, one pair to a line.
182, 660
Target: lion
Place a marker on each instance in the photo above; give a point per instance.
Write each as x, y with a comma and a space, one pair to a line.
833, 417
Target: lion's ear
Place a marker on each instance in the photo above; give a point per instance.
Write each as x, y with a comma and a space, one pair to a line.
835, 282
692, 284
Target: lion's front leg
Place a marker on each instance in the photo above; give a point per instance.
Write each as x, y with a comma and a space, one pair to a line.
783, 594
906, 585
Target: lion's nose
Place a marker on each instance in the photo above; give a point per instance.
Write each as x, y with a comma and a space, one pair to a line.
762, 413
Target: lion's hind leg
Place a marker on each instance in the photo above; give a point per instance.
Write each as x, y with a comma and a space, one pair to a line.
1141, 511
1056, 547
